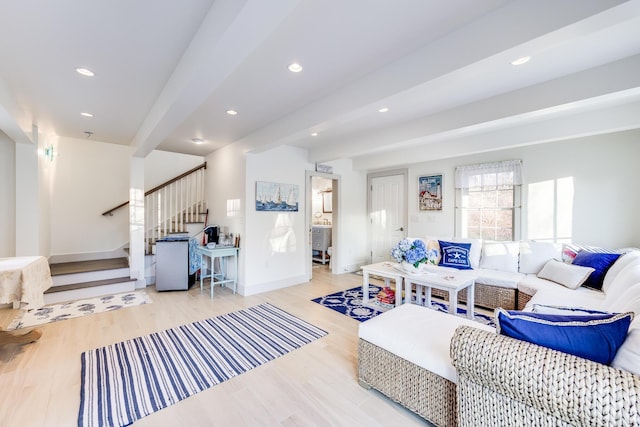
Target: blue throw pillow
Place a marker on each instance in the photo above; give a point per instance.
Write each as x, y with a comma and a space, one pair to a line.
600, 262
595, 337
455, 255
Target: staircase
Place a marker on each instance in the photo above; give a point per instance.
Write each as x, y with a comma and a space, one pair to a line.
172, 207
88, 279
190, 220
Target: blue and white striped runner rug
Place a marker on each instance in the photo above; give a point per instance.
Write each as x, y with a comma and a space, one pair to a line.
124, 382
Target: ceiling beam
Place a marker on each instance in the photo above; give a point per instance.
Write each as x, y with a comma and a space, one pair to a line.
9, 112
208, 61
590, 122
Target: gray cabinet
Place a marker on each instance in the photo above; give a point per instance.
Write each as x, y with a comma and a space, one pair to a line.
320, 242
172, 264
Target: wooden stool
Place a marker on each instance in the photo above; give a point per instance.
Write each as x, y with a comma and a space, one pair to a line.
11, 338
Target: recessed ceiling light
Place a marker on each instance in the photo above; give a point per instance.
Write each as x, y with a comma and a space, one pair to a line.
314, 134
86, 114
521, 61
295, 67
198, 141
232, 112
383, 110
85, 72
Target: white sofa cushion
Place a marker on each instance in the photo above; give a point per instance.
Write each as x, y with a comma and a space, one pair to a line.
628, 278
417, 334
474, 252
500, 256
550, 293
502, 279
628, 355
616, 276
579, 298
534, 255
628, 300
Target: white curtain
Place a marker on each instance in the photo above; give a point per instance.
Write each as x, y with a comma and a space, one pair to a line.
469, 175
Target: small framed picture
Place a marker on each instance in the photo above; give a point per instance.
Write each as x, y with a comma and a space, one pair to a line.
430, 192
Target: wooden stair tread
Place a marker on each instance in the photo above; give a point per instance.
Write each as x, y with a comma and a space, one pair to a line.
86, 266
92, 284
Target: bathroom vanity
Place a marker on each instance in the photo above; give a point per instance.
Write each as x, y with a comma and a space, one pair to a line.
320, 242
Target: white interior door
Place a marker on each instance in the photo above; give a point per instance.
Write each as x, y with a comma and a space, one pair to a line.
388, 215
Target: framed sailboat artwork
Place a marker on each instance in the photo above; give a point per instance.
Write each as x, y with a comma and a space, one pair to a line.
276, 197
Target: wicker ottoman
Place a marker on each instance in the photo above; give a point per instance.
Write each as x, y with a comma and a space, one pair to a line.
404, 354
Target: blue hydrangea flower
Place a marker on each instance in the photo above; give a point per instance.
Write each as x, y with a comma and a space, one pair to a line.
412, 251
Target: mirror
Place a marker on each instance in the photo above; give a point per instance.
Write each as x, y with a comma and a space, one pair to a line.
326, 202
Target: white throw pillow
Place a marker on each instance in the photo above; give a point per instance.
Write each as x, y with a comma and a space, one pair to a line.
500, 256
534, 255
571, 276
474, 253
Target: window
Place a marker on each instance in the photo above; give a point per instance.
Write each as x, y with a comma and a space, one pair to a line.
550, 210
488, 200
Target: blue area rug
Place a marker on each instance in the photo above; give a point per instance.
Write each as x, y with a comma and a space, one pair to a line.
349, 303
124, 382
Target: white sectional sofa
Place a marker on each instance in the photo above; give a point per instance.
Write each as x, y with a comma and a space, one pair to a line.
453, 371
506, 272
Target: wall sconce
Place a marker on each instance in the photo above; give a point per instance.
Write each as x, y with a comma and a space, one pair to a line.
49, 153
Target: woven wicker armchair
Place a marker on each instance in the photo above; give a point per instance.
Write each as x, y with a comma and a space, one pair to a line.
507, 382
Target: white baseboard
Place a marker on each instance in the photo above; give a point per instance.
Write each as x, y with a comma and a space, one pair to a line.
271, 286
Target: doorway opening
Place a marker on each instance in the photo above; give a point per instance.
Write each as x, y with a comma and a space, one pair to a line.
322, 222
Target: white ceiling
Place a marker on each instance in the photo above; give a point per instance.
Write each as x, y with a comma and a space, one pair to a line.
167, 71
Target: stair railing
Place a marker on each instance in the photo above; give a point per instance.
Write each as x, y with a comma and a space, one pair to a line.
171, 205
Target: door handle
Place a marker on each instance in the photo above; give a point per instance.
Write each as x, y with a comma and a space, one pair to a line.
400, 229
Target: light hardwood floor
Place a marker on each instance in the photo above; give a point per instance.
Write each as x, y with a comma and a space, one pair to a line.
315, 385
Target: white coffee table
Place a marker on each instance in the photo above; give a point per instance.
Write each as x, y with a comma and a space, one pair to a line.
386, 270
452, 282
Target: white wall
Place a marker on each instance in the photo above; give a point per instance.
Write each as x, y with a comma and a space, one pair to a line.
90, 178
46, 171
351, 247
25, 190
226, 189
275, 243
605, 175
159, 166
318, 186
225, 196
7, 196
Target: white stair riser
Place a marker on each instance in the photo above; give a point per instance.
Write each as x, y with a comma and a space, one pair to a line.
89, 276
95, 291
